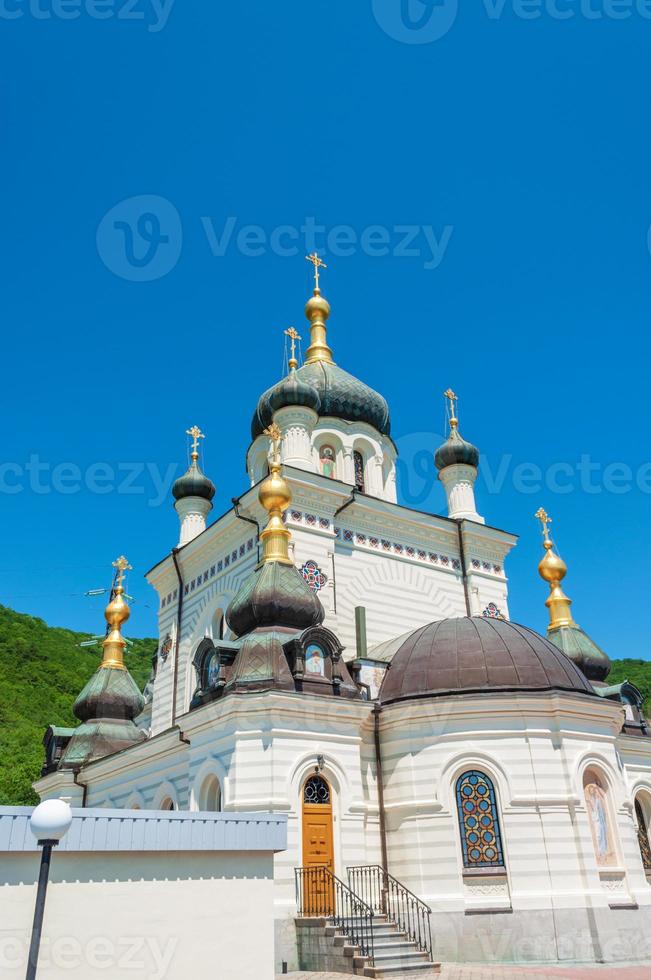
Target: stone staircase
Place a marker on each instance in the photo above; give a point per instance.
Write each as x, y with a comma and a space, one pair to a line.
395, 954
325, 946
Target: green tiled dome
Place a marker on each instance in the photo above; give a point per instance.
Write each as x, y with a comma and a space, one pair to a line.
341, 396
193, 484
456, 450
583, 651
274, 595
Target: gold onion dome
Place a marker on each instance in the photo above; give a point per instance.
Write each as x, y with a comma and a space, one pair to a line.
194, 483
455, 449
562, 630
340, 394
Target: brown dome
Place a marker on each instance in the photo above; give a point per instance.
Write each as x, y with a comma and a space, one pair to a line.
477, 655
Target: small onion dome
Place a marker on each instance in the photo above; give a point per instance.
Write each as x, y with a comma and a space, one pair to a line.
109, 694
193, 484
584, 652
476, 655
293, 391
456, 450
274, 595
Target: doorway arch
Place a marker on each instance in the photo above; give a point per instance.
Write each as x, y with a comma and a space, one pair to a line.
318, 824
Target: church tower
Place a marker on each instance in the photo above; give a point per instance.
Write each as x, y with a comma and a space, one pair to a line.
193, 493
457, 462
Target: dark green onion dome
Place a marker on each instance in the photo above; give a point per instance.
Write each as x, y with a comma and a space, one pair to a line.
293, 391
109, 694
456, 450
193, 484
475, 655
584, 652
275, 594
341, 396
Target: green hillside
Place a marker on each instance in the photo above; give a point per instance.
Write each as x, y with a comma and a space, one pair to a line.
42, 670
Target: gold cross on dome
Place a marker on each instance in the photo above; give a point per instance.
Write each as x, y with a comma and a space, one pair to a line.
196, 434
275, 435
318, 264
542, 515
293, 337
453, 399
122, 566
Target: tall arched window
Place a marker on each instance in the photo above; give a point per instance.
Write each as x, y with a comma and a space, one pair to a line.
643, 835
596, 801
479, 823
358, 463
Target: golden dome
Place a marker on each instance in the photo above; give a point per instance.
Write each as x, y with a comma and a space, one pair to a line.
274, 493
553, 570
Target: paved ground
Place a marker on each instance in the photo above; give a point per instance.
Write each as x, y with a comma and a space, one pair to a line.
451, 971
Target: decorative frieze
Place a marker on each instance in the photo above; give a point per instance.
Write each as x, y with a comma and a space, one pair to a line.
207, 574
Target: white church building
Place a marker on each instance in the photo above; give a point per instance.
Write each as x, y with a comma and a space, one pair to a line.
332, 656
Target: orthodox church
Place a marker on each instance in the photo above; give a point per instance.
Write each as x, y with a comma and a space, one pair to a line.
330, 654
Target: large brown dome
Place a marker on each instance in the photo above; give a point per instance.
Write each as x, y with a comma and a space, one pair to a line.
478, 655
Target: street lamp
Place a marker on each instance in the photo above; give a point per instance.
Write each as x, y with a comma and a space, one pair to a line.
50, 822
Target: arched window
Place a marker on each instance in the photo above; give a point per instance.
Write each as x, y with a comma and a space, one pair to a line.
316, 790
328, 462
479, 823
358, 463
596, 801
643, 835
210, 797
168, 804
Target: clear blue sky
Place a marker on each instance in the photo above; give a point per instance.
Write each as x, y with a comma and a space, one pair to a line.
515, 150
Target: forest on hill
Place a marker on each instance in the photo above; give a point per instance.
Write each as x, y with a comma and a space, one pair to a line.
43, 669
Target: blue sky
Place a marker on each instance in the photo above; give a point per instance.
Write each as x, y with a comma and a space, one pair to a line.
482, 176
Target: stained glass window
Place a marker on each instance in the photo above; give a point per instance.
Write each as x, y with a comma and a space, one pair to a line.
358, 461
479, 823
643, 836
316, 790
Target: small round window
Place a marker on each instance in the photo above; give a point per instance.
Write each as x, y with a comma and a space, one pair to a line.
315, 660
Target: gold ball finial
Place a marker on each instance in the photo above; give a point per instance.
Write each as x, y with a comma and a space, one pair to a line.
552, 569
275, 496
116, 613
317, 311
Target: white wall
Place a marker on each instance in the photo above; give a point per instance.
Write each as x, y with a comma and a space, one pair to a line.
147, 916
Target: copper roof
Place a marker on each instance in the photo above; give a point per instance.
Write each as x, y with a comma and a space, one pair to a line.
475, 654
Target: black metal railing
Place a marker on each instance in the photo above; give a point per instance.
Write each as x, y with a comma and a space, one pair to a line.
320, 894
387, 896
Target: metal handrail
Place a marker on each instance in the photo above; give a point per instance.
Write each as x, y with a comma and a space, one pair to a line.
320, 894
388, 896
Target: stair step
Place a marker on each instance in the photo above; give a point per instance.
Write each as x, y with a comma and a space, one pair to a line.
389, 959
391, 971
398, 945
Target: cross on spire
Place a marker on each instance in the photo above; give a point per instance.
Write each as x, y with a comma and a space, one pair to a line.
453, 399
122, 566
318, 264
196, 434
542, 515
293, 335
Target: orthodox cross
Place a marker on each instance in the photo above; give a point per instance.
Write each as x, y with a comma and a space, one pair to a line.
196, 434
453, 399
122, 566
293, 337
275, 435
318, 264
545, 520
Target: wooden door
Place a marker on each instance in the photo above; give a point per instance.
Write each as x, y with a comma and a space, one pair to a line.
318, 846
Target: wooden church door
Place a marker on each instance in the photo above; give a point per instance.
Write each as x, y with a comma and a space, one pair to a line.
318, 844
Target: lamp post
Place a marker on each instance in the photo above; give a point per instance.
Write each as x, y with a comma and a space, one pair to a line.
50, 822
